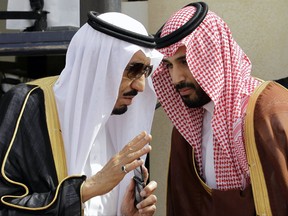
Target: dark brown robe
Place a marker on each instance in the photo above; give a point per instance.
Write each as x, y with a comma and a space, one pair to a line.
271, 137
187, 196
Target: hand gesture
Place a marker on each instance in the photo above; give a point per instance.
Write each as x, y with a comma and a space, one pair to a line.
116, 168
147, 206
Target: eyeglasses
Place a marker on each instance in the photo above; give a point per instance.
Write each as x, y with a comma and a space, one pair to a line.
137, 70
139, 184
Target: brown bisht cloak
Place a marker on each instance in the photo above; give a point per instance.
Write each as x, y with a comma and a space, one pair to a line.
189, 195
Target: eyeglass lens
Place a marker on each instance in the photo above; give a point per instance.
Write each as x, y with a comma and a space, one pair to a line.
137, 70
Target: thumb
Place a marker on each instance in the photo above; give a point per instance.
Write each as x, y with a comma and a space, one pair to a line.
131, 186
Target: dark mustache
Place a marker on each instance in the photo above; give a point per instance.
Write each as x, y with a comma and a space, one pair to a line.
133, 92
184, 85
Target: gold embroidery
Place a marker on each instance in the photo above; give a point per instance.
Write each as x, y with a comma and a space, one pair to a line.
57, 147
258, 182
46, 84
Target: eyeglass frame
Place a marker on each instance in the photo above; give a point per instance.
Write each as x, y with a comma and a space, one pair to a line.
145, 70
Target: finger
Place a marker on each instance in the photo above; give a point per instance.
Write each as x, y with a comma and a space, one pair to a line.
138, 142
145, 174
147, 205
149, 189
138, 138
124, 169
147, 211
131, 166
130, 159
132, 151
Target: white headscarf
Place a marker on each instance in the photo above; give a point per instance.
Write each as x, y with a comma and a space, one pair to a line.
87, 90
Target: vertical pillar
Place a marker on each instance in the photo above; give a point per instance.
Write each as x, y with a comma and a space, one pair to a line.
100, 6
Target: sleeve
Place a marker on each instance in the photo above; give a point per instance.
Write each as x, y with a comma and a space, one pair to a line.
28, 180
271, 136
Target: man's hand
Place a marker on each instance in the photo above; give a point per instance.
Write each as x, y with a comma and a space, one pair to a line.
146, 206
111, 174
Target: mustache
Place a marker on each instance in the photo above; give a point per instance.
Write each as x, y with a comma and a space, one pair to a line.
133, 92
181, 85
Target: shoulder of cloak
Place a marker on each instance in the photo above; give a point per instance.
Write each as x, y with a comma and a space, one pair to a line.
265, 106
36, 97
11, 104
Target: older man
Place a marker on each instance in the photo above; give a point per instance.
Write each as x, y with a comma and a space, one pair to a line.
83, 160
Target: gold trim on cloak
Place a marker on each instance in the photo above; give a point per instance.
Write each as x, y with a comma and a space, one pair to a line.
205, 186
54, 129
260, 193
52, 119
258, 182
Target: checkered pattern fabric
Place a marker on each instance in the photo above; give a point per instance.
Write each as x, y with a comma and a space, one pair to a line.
223, 70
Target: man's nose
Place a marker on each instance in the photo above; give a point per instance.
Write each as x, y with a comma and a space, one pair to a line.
139, 84
177, 76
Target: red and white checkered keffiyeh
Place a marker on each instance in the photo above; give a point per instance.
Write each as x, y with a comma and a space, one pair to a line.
223, 70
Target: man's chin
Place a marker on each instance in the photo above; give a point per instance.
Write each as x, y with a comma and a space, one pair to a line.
195, 103
120, 110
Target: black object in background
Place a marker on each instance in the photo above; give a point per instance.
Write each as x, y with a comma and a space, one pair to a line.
283, 81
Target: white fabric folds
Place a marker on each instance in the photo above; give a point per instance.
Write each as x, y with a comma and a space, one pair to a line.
87, 89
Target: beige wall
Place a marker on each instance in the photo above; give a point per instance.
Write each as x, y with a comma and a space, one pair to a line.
259, 26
